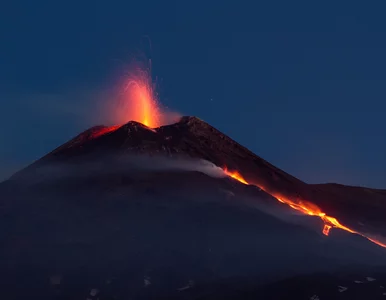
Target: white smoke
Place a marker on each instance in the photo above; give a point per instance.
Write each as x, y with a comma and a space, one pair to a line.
128, 164
160, 163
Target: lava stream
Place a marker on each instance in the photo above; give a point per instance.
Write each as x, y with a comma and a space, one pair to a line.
236, 175
306, 208
104, 131
326, 229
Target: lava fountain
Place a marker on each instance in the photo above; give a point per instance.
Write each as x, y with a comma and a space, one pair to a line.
141, 101
137, 100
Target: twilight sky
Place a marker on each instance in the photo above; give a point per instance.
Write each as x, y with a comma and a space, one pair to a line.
300, 83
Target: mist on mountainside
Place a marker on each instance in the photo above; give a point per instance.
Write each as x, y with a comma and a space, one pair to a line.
172, 220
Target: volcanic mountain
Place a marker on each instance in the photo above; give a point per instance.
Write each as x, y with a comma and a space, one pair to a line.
362, 209
144, 213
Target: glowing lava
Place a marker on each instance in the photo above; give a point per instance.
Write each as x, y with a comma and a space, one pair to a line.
104, 131
137, 100
306, 208
236, 175
143, 105
326, 229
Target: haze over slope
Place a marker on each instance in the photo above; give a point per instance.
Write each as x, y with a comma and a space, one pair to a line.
191, 137
173, 220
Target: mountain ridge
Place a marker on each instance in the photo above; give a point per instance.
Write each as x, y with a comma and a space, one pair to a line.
191, 137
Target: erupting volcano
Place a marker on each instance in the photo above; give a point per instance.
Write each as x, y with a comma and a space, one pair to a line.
136, 196
137, 101
195, 138
140, 104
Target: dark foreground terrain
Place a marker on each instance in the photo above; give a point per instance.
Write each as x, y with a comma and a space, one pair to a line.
149, 234
319, 286
350, 286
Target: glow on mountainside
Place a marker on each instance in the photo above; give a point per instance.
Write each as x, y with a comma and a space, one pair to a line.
306, 208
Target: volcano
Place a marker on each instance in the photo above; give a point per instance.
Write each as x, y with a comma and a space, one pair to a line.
360, 208
132, 211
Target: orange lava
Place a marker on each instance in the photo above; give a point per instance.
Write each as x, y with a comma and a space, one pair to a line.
104, 131
140, 99
306, 208
236, 175
137, 100
144, 108
326, 229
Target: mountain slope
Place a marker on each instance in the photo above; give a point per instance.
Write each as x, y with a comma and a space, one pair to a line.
192, 137
171, 227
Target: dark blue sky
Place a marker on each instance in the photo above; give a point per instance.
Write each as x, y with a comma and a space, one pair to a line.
300, 83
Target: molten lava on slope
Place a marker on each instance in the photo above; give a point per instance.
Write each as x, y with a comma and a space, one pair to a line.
103, 131
308, 209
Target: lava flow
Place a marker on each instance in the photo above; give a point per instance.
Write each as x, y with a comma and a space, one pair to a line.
306, 208
236, 175
326, 229
104, 131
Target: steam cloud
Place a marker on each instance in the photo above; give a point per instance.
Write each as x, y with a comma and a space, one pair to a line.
181, 164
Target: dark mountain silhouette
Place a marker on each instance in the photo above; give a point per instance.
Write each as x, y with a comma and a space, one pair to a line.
360, 208
106, 216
